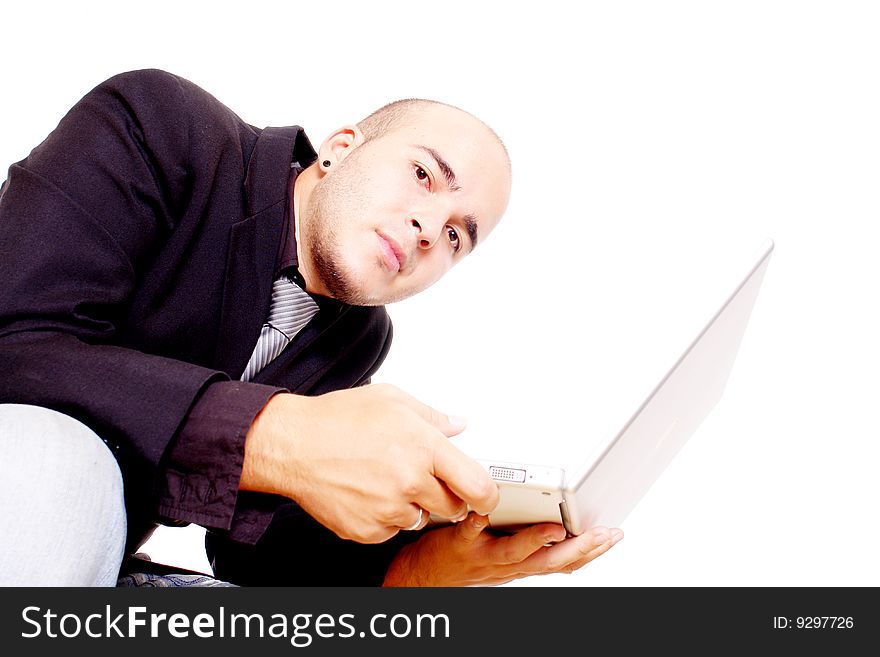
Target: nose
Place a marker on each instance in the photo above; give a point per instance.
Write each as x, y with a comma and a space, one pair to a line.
426, 231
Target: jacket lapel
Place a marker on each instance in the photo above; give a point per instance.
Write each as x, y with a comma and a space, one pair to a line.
247, 289
254, 246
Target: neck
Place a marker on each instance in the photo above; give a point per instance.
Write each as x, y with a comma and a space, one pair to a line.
301, 193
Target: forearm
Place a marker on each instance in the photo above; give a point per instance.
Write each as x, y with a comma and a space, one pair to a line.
133, 400
269, 457
200, 474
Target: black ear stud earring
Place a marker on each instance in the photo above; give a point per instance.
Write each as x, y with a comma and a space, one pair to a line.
326, 163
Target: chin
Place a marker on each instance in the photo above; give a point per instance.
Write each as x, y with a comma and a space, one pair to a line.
367, 286
375, 297
356, 290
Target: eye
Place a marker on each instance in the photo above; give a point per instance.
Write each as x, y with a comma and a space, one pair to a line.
454, 239
422, 175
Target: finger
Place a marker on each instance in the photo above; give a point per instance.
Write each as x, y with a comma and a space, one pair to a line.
419, 520
465, 477
469, 529
574, 552
449, 425
520, 546
597, 551
435, 497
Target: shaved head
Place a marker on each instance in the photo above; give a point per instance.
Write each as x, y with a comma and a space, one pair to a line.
408, 111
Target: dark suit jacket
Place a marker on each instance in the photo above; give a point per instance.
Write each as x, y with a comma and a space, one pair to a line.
138, 246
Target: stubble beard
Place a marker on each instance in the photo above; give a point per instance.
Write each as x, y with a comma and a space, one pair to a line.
326, 259
324, 249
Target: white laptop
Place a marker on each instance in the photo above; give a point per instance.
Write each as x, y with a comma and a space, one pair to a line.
606, 485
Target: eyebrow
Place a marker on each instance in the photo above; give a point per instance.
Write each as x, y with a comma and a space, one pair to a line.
470, 222
448, 173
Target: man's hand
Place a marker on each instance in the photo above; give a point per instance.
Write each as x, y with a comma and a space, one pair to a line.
465, 555
364, 462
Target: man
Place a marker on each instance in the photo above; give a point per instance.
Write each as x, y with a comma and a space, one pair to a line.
206, 297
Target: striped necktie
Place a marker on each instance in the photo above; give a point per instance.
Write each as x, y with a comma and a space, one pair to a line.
291, 308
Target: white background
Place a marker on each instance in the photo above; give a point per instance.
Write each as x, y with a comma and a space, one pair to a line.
655, 145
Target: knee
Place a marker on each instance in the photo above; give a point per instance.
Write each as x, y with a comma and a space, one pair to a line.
52, 447
63, 498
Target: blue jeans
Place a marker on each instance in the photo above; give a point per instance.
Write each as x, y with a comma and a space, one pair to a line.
62, 513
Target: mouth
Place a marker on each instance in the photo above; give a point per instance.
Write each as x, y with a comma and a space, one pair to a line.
393, 256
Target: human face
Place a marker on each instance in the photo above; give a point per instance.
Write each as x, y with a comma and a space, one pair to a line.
395, 213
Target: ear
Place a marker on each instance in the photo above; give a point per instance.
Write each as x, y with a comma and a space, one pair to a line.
338, 146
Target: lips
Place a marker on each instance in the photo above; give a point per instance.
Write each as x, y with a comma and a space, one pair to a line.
392, 254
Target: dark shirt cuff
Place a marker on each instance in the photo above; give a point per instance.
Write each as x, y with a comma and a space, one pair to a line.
201, 472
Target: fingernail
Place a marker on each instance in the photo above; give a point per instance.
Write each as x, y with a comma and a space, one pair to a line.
555, 536
616, 535
600, 534
457, 421
461, 516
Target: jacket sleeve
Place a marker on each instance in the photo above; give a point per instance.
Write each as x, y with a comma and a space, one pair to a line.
81, 219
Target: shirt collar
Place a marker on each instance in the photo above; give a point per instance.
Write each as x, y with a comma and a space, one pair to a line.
287, 258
